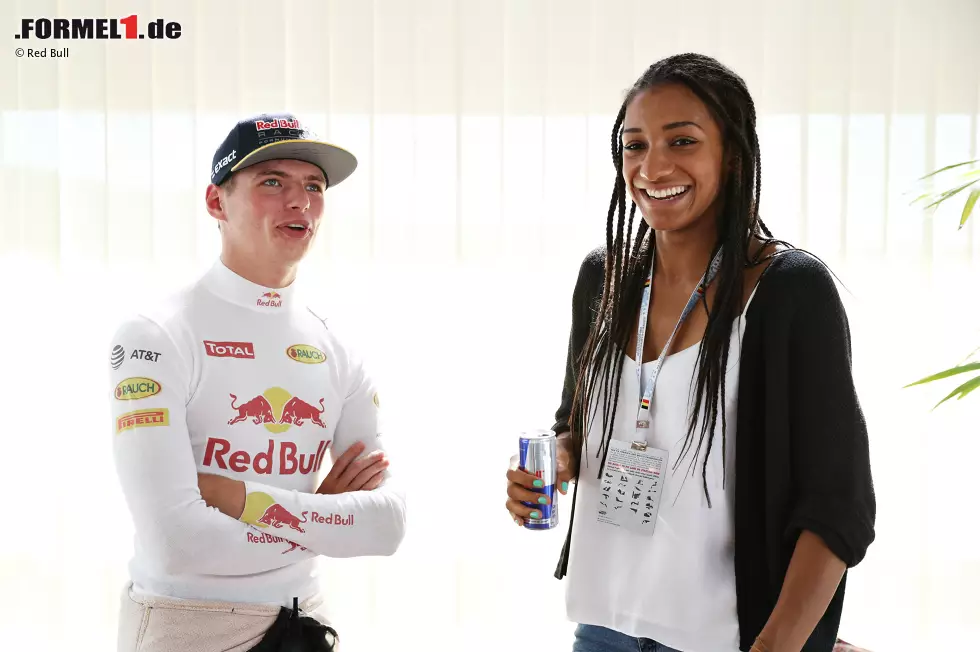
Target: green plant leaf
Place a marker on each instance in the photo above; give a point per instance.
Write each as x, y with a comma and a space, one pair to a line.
950, 193
970, 203
948, 167
971, 354
962, 390
974, 366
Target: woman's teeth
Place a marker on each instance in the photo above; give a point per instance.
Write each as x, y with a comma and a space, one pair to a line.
667, 193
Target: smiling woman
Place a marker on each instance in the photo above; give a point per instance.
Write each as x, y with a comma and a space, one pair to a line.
715, 312
673, 167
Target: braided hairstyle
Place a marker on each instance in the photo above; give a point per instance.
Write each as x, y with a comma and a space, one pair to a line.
629, 256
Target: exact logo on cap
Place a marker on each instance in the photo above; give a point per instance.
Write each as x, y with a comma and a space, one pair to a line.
223, 162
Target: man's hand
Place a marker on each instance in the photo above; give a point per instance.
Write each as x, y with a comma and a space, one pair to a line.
350, 474
227, 495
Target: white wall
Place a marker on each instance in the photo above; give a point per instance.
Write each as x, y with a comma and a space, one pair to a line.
483, 134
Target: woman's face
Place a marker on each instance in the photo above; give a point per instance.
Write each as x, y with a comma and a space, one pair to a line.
672, 157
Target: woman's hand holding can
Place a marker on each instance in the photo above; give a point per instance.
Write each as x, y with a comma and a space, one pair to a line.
530, 497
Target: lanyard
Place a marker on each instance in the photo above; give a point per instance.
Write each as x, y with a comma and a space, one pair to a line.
642, 415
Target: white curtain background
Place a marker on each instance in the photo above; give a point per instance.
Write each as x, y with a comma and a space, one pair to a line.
482, 129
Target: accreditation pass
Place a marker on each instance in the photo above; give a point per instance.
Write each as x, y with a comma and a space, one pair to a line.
631, 485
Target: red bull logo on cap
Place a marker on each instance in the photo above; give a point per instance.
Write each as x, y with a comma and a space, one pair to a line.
277, 123
277, 410
269, 300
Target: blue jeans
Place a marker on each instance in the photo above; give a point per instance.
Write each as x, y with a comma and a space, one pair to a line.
592, 638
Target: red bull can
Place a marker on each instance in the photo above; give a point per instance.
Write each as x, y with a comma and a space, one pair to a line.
539, 457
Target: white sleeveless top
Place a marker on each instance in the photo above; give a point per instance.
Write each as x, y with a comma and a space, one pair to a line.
677, 586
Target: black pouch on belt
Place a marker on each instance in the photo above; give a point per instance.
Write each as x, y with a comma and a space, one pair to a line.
295, 631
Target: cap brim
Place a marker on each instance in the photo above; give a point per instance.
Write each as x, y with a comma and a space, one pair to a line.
336, 162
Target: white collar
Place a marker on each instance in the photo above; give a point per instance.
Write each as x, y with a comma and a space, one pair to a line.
240, 291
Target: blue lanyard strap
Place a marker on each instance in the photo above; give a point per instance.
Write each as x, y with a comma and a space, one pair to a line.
709, 276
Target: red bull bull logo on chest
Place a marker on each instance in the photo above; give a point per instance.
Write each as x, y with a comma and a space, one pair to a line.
277, 410
258, 409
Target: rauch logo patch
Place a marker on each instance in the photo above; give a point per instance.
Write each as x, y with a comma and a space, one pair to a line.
306, 354
132, 389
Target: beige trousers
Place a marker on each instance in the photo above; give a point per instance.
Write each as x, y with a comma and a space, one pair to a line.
171, 625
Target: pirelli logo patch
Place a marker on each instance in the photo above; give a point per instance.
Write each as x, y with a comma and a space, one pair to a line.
142, 419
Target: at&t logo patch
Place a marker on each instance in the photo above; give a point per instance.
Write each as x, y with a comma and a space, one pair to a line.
118, 356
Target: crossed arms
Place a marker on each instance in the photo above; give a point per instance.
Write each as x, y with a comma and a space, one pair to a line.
187, 522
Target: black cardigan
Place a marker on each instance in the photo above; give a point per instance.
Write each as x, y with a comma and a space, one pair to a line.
801, 448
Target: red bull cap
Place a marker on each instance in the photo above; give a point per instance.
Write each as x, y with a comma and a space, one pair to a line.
278, 136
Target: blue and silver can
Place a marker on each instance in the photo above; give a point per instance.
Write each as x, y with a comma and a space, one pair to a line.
539, 457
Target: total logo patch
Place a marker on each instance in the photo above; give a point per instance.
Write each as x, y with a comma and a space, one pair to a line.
306, 354
142, 419
243, 350
133, 389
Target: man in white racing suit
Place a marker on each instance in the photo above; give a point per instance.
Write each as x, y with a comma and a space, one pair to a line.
246, 436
